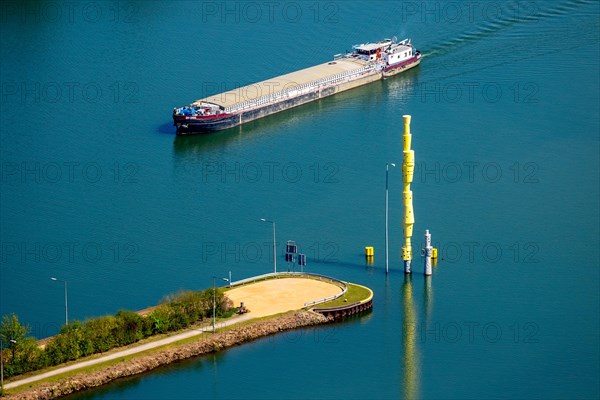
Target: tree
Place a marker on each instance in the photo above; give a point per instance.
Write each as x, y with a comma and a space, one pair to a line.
222, 302
28, 357
25, 354
12, 332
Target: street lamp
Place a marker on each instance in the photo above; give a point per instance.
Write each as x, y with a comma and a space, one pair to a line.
66, 303
274, 245
2, 364
215, 300
387, 168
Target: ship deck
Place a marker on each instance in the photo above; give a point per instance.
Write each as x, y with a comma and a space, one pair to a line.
305, 76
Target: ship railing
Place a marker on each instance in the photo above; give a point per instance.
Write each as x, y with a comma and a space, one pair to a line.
302, 89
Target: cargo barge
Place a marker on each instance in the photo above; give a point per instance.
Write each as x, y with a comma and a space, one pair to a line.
367, 63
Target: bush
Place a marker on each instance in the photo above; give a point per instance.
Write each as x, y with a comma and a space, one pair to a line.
223, 303
129, 327
190, 304
28, 357
101, 334
160, 319
66, 345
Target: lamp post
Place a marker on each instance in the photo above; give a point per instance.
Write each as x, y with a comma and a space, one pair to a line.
215, 300
2, 364
387, 168
66, 302
274, 245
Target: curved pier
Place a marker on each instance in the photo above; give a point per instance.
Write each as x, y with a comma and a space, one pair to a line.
347, 310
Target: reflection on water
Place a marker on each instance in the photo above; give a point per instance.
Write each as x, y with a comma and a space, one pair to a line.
215, 376
428, 295
411, 368
410, 325
197, 144
400, 88
195, 365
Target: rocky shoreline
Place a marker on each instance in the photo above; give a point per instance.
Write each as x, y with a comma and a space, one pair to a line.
141, 364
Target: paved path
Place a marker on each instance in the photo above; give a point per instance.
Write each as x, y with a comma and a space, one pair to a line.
123, 353
262, 298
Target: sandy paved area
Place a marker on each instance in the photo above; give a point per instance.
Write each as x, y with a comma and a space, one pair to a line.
278, 295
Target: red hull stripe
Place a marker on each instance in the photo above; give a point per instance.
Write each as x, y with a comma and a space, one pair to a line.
403, 63
183, 118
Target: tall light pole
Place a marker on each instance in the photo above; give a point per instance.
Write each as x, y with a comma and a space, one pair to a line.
387, 168
215, 300
66, 302
2, 364
274, 245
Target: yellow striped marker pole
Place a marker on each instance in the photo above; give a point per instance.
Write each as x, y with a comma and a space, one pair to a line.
408, 168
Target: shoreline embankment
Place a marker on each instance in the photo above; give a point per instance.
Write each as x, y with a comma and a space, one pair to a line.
144, 363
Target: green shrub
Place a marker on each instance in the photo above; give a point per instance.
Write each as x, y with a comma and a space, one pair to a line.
160, 319
129, 328
66, 345
101, 334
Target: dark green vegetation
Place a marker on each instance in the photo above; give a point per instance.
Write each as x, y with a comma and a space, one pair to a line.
79, 339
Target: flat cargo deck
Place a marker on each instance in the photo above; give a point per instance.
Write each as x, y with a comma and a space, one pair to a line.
283, 82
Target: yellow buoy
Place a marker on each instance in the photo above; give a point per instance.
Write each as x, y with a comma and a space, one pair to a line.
369, 251
434, 253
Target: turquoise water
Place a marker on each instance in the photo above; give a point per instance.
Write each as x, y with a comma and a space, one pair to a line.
97, 190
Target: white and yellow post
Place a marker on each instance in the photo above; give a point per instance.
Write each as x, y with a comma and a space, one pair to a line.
427, 252
408, 168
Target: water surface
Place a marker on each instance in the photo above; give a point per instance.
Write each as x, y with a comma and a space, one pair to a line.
97, 190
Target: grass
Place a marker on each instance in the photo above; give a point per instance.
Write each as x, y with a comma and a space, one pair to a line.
96, 367
197, 326
93, 368
355, 293
89, 369
230, 313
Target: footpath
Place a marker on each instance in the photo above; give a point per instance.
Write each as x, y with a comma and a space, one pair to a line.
126, 352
